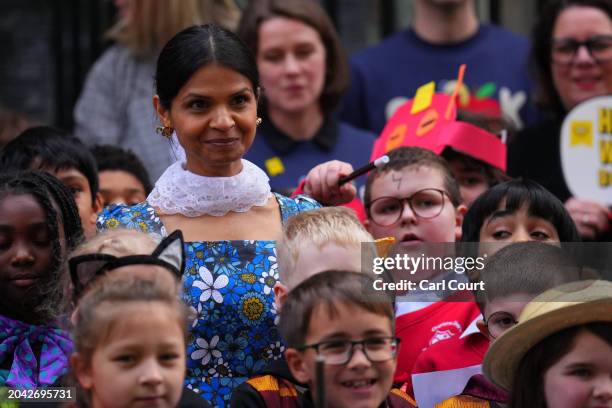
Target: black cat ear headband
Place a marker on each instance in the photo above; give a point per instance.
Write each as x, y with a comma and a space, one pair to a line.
169, 254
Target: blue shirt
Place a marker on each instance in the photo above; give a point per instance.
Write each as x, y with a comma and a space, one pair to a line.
385, 75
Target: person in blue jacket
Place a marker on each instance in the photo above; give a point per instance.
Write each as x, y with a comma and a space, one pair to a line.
304, 75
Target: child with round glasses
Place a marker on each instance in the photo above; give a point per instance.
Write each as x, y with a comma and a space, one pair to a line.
449, 375
423, 180
416, 200
330, 317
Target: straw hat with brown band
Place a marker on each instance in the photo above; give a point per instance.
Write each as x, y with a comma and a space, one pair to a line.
566, 306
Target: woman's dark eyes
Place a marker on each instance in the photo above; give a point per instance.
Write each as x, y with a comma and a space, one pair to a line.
565, 48
273, 57
198, 104
240, 100
304, 53
299, 54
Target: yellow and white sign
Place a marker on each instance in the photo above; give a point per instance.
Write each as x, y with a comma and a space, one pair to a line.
586, 150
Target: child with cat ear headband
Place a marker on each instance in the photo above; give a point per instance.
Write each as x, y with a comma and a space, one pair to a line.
122, 248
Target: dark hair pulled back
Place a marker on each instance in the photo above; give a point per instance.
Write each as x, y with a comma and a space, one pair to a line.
196, 47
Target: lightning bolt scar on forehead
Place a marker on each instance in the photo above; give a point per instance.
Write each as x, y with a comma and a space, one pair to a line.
398, 180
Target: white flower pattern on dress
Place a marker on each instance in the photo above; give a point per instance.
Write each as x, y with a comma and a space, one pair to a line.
210, 286
213, 370
269, 279
220, 369
207, 350
273, 263
275, 351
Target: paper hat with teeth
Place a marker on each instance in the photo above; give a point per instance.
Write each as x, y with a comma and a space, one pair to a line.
429, 121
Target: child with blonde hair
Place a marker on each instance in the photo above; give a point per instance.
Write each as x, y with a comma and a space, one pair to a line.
127, 251
129, 342
312, 242
318, 240
118, 242
117, 270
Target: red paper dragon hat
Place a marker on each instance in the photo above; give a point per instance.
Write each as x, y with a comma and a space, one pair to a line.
429, 121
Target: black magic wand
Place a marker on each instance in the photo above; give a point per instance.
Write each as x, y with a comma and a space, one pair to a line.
381, 161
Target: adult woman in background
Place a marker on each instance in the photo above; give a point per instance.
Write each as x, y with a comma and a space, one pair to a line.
207, 90
572, 56
304, 75
115, 105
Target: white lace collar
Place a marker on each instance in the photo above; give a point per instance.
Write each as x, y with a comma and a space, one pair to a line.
179, 191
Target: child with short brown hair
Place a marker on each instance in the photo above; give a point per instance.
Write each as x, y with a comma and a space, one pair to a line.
512, 277
334, 317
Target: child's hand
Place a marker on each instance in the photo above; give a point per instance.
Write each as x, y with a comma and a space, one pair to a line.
322, 183
590, 217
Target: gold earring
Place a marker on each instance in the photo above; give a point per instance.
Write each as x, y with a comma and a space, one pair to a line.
258, 121
165, 131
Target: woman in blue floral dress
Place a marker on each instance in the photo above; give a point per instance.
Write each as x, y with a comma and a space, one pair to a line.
207, 90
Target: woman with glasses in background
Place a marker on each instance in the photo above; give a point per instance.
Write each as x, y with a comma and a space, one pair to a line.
572, 58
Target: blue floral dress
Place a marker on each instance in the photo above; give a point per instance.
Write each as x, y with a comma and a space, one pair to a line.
229, 285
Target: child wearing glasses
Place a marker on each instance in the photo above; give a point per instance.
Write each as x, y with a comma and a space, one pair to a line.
560, 353
513, 211
331, 317
424, 181
416, 200
334, 237
512, 277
